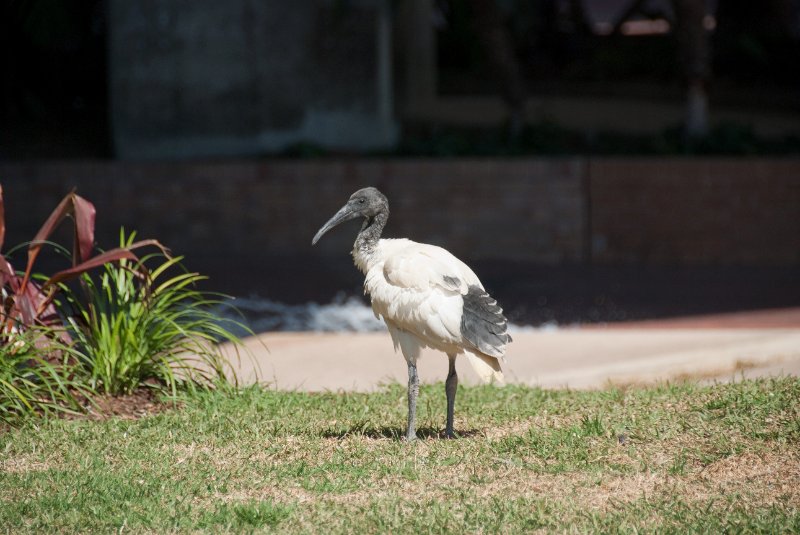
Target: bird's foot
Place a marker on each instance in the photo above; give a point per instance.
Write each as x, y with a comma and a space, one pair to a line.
450, 434
409, 437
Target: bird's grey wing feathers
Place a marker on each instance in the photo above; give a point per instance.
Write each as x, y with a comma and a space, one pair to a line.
483, 324
451, 283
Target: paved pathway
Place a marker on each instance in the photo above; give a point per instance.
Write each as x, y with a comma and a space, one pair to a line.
721, 347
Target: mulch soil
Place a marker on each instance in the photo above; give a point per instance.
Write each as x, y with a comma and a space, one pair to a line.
138, 404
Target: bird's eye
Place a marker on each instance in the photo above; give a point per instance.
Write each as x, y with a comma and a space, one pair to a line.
361, 201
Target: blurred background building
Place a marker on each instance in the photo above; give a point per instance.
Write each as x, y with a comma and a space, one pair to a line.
171, 79
601, 154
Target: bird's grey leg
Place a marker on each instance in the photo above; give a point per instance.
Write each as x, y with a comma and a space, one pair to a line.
450, 387
413, 392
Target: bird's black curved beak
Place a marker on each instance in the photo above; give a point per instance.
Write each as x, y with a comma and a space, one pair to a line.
345, 213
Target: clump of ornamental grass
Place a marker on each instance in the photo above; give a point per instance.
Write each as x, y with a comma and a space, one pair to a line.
37, 371
32, 385
145, 322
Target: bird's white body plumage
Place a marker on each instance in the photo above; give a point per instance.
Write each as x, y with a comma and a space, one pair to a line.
427, 297
418, 290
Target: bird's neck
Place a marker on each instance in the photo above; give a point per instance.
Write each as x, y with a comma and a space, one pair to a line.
367, 240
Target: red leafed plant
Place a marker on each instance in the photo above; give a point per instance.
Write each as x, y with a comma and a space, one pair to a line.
28, 304
127, 326
38, 365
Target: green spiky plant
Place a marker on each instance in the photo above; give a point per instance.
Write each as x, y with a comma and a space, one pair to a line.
31, 384
37, 368
134, 326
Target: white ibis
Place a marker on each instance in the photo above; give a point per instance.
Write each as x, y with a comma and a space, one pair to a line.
427, 297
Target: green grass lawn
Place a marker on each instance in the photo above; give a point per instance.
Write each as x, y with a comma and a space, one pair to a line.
672, 458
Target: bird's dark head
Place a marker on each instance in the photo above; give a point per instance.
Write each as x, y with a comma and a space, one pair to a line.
366, 203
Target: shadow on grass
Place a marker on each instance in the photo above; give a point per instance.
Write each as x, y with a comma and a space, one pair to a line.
395, 433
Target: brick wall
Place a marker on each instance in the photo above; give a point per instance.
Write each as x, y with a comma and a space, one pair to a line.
686, 211
526, 210
572, 210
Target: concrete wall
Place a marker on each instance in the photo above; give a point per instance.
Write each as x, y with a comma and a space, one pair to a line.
238, 77
553, 211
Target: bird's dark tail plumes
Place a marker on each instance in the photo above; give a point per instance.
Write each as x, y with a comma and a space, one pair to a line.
483, 324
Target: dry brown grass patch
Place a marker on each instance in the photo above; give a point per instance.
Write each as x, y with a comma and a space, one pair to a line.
25, 464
